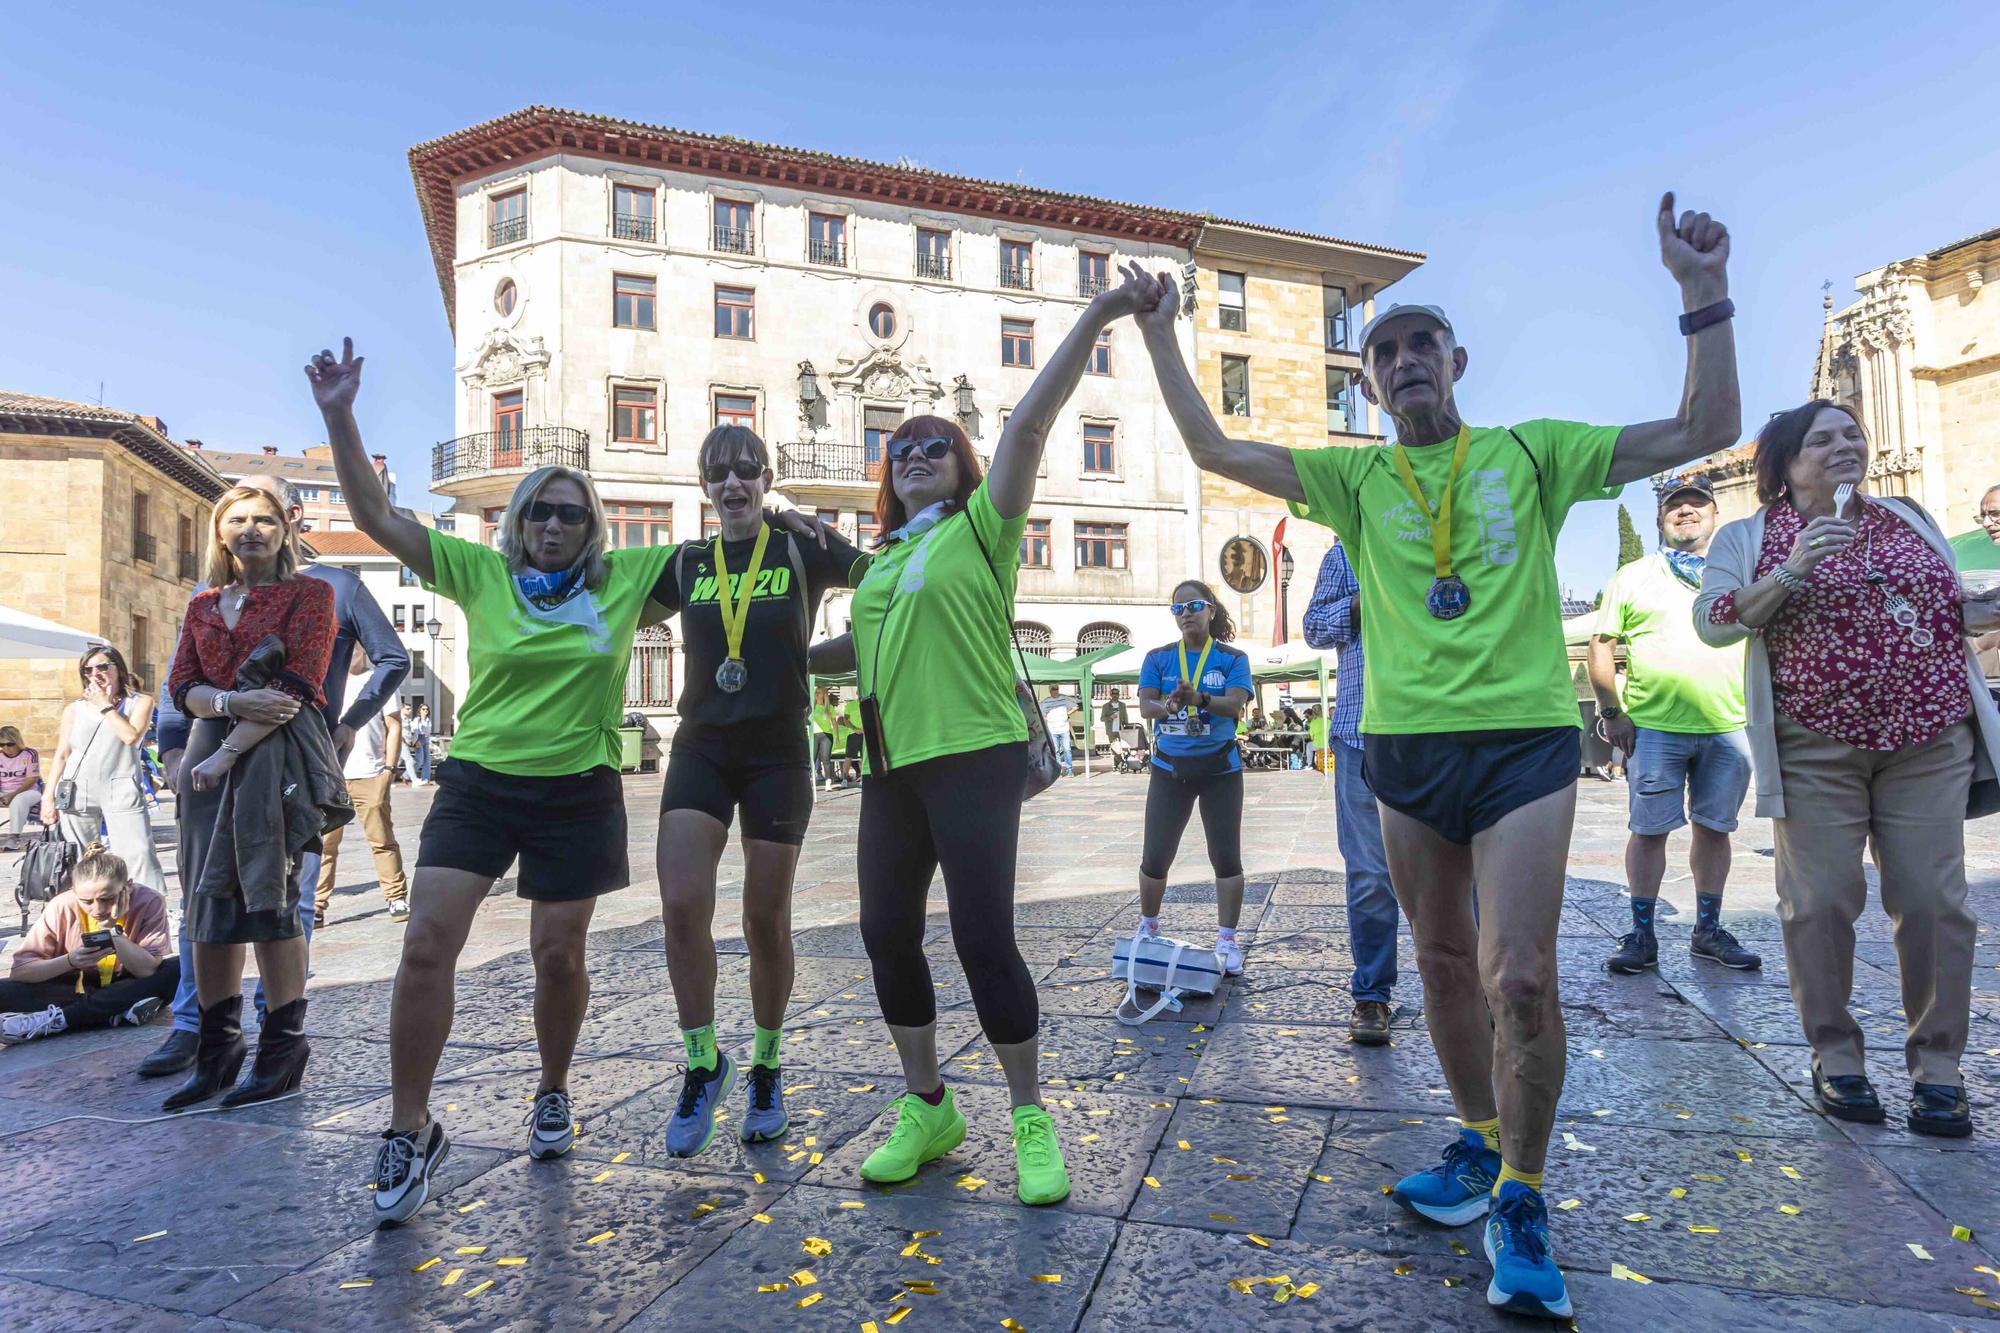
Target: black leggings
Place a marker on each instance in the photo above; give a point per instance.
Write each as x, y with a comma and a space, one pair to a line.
1169, 802
961, 812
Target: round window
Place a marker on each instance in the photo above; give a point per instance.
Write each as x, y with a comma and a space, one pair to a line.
882, 320
504, 296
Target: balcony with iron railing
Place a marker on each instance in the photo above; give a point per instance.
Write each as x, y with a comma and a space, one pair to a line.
817, 462
145, 547
831, 253
1090, 284
631, 227
736, 240
934, 266
1018, 276
489, 451
506, 231
187, 571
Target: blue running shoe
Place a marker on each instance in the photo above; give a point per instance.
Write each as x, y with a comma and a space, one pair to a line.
1525, 1277
765, 1119
1457, 1189
702, 1094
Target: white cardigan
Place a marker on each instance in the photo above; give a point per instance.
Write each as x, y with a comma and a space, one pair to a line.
1732, 566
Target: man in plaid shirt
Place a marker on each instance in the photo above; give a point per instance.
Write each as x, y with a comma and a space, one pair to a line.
1333, 620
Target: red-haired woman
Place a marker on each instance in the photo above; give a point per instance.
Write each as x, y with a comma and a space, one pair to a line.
944, 741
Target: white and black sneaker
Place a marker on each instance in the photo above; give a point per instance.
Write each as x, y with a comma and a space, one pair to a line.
403, 1168
140, 1013
399, 910
553, 1122
17, 1028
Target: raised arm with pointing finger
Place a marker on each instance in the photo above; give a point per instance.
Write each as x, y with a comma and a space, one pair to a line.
334, 384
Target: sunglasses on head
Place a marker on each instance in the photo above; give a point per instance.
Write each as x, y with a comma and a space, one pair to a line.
541, 511
745, 469
936, 448
1196, 604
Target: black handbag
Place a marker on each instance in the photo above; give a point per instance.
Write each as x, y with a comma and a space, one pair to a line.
45, 871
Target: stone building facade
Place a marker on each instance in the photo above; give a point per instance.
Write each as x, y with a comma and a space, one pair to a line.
617, 289
106, 531
1918, 358
322, 508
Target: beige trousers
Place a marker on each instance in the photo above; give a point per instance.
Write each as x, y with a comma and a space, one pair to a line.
371, 811
1909, 806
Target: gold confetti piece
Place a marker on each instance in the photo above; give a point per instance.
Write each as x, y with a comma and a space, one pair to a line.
764, 1218
1237, 1284
621, 1157
510, 1263
1678, 1192
1453, 1281
1238, 1176
898, 1317
1713, 1180
816, 1247
1288, 1032
852, 1203
702, 1210
1048, 1277
1224, 1161
923, 1286
1919, 1251
795, 1156
1789, 1209
924, 1235
481, 1287
1704, 1231
601, 1177
1273, 1110
803, 1278
1012, 1326
1089, 1138
1402, 1270
359, 1282
1221, 1217
339, 1116
1638, 1217
1201, 1027
1568, 1204
862, 1087
1620, 1272
1354, 1078
1413, 1122
1321, 1177
776, 1286
1279, 1119
600, 1238
1993, 1273
1742, 1156
453, 1276
970, 1183
1603, 1112
471, 1249
811, 1142
1986, 1302
1792, 1172
1184, 1145
1098, 1113
803, 1301
1388, 1190
1961, 1233
1152, 1183
816, 1159
914, 1247
476, 1203
1308, 1290
1259, 1241
868, 1326
151, 1235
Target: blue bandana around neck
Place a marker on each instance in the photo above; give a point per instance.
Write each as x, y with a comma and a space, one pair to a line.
548, 591
1686, 564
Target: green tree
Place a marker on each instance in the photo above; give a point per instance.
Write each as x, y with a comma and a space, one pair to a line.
1630, 548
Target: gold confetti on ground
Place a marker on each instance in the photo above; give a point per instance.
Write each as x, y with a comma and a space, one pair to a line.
510, 1263
621, 1158
1453, 1281
816, 1247
1623, 1274
898, 1317
763, 1218
1713, 1180
1458, 1248
1048, 1277
1259, 1241
1567, 1204
428, 1263
1742, 1156
1184, 1145
453, 1276
924, 1235
601, 1177
1012, 1326
1791, 1172
1961, 1233
600, 1238
776, 1286
1151, 1183
481, 1287
852, 1203
151, 1235
1402, 1270
471, 1249
358, 1282
476, 1203
1225, 1161
1222, 1217
970, 1183
703, 1210
862, 1087
1703, 1231
1638, 1217
1321, 1177
1678, 1192
803, 1278
1235, 1175
1918, 1250
803, 1301
1788, 1209
1089, 1138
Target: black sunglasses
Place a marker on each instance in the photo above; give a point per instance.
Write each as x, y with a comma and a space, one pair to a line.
541, 511
933, 448
1198, 604
745, 469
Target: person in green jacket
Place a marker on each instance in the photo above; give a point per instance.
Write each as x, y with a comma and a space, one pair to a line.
822, 733
849, 716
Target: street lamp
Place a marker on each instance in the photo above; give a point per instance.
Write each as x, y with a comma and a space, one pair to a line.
808, 393
434, 627
962, 401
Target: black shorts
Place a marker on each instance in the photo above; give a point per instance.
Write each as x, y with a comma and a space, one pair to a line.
1464, 782
763, 767
568, 831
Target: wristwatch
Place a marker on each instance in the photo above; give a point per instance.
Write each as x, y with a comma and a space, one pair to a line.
1611, 714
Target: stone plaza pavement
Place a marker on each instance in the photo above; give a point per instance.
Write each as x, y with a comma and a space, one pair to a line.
1229, 1165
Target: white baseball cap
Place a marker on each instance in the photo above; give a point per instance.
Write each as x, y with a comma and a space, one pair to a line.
1429, 312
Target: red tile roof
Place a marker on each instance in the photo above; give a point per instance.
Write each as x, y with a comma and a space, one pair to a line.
344, 543
143, 436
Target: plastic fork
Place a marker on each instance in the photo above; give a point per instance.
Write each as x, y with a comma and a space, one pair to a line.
1841, 495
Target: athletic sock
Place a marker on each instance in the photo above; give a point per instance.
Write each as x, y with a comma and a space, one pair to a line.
1507, 1173
1486, 1129
700, 1046
1642, 912
1707, 911
766, 1051
1225, 934
1149, 925
934, 1098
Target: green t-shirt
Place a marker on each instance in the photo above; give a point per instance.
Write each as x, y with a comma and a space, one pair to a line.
1974, 550
547, 693
930, 636
822, 719
1501, 665
1674, 681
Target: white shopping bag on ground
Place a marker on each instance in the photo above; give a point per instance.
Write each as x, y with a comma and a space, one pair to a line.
1157, 963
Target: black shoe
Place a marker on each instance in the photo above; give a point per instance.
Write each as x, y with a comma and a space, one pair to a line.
1940, 1110
281, 1057
1368, 1024
1847, 1097
1718, 945
218, 1056
1637, 952
175, 1056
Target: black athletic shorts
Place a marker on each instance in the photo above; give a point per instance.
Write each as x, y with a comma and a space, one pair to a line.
1464, 782
764, 767
568, 831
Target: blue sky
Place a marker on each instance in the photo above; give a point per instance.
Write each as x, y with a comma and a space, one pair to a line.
193, 199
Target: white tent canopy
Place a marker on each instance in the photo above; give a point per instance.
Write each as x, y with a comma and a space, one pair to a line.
23, 635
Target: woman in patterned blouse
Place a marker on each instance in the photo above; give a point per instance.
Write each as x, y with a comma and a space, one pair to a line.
1869, 720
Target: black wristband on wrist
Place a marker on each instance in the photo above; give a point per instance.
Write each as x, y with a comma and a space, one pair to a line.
1694, 321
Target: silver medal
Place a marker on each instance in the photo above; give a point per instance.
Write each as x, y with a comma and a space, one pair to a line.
731, 675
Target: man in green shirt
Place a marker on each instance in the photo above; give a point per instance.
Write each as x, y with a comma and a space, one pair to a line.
1681, 722
1469, 719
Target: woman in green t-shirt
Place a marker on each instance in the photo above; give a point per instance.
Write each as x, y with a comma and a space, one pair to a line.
946, 753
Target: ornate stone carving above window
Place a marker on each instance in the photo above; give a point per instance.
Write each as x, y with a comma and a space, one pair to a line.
504, 357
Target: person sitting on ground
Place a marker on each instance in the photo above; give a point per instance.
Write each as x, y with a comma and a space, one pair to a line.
97, 958
20, 784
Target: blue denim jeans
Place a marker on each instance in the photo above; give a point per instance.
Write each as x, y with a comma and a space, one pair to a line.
1371, 904
1059, 736
187, 1007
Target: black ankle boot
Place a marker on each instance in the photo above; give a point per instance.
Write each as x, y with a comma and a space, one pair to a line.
217, 1058
281, 1057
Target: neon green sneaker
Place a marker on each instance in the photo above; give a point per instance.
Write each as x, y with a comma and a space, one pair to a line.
1038, 1157
923, 1133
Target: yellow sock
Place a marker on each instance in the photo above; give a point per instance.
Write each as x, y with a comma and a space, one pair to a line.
1486, 1129
1507, 1173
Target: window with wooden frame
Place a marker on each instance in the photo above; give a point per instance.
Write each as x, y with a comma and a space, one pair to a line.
489, 525
1093, 273
734, 227
1230, 300
1100, 447
143, 545
826, 239
735, 312
509, 416
736, 409
184, 534
1017, 342
877, 425
1017, 264
505, 297
868, 528
711, 523
635, 414
933, 254
632, 301
507, 217
1100, 355
1035, 544
1236, 386
1100, 546
632, 212
632, 526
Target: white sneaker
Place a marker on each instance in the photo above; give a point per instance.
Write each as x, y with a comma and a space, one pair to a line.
403, 1169
553, 1122
399, 910
141, 1013
17, 1028
1151, 932
1230, 953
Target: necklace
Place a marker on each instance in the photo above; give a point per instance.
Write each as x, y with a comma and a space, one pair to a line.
242, 597
1899, 607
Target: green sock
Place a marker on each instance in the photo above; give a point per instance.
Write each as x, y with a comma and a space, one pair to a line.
1486, 1129
1507, 1173
700, 1046
766, 1051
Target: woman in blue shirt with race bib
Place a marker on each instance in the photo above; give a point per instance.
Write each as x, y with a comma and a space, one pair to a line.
1193, 691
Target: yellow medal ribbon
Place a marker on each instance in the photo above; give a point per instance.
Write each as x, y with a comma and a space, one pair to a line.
1441, 516
1199, 662
736, 612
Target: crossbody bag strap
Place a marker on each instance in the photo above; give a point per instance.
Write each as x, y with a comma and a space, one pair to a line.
1000, 588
